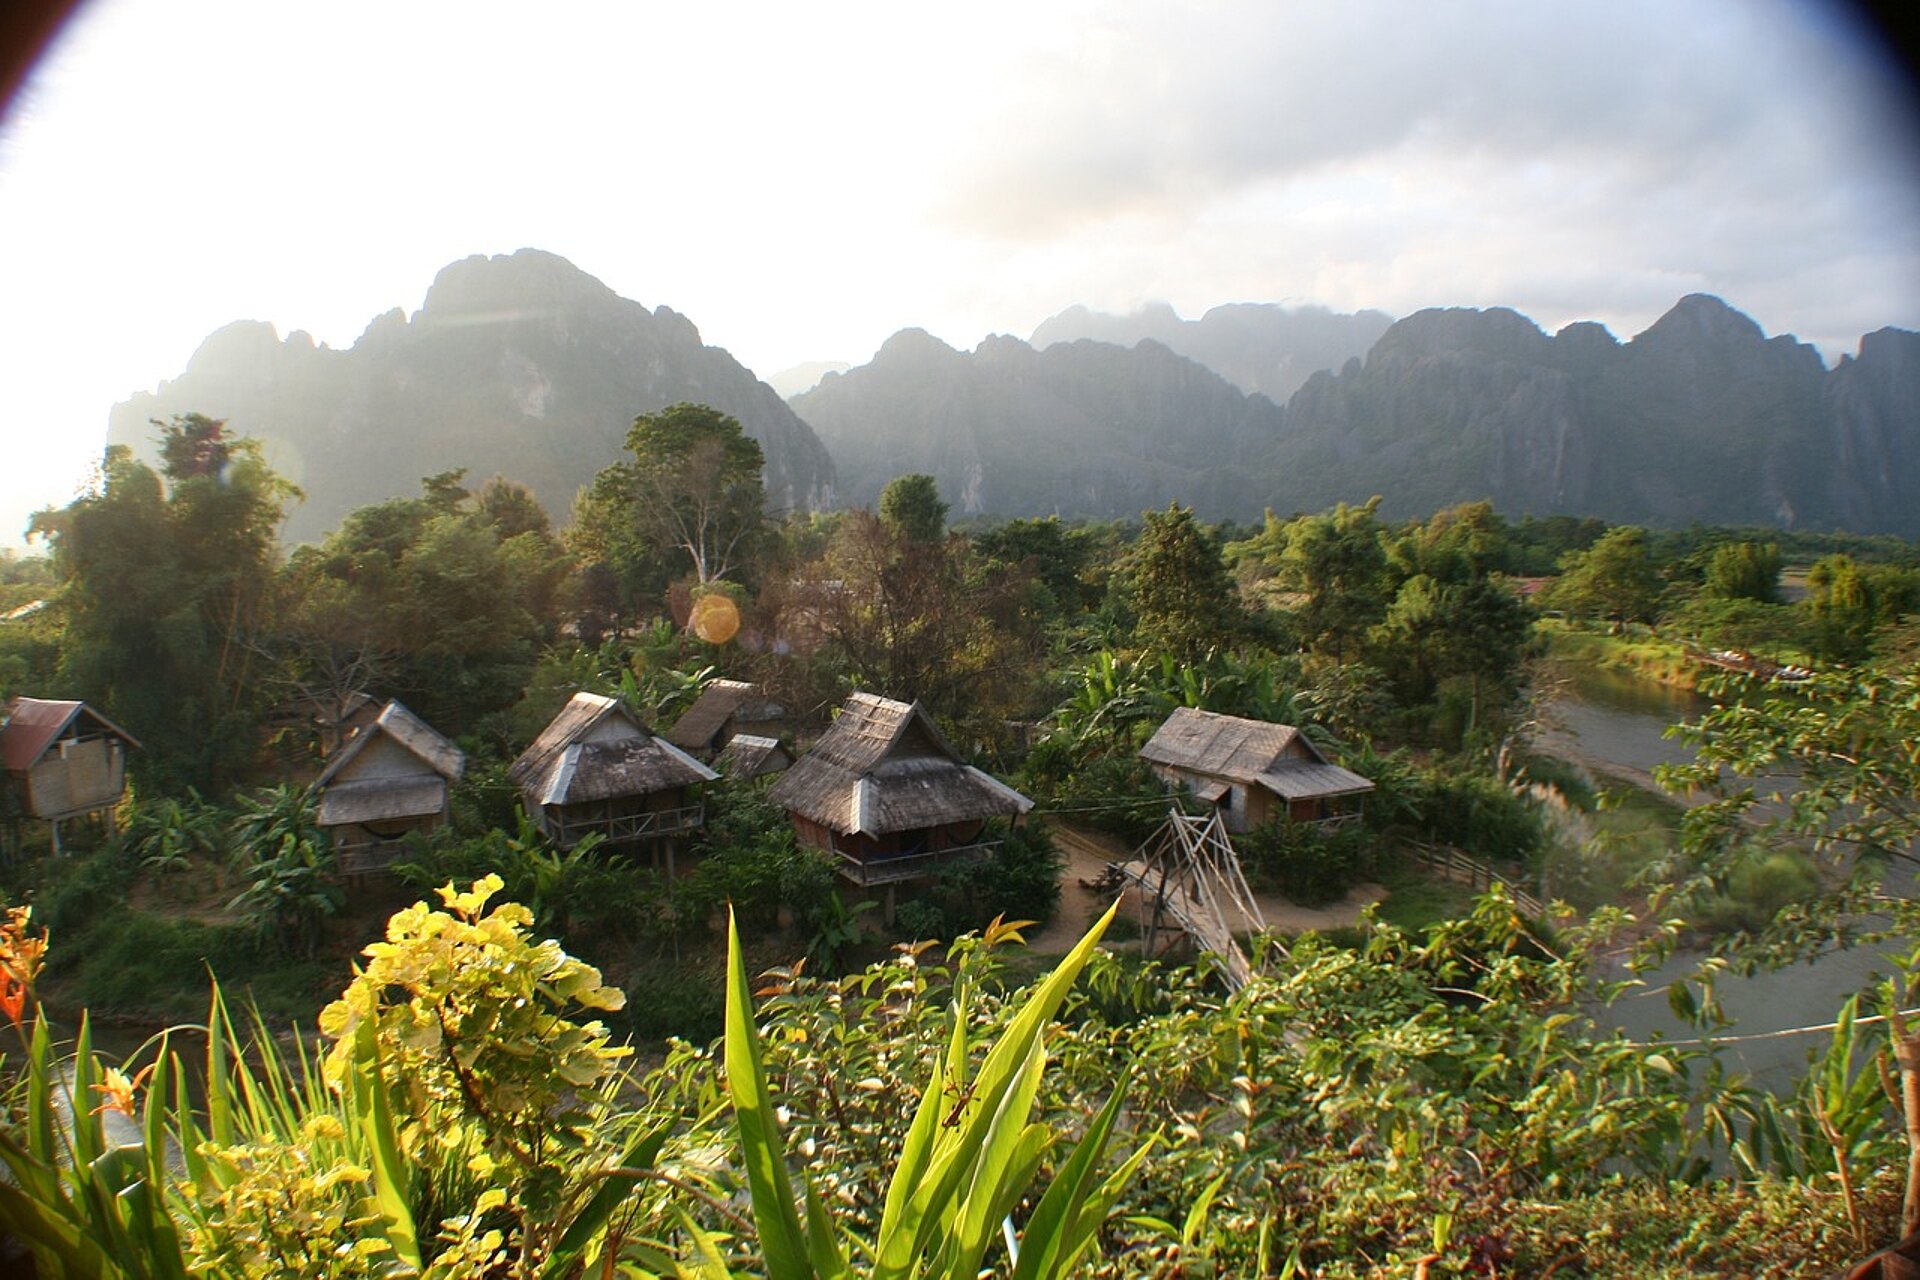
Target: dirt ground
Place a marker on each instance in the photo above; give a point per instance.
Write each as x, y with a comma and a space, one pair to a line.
1087, 854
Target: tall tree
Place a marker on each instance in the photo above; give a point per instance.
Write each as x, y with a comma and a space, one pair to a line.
1614, 578
691, 495
167, 583
1186, 600
912, 508
1338, 563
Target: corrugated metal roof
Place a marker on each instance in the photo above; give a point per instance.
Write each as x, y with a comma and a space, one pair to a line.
35, 724
428, 745
884, 766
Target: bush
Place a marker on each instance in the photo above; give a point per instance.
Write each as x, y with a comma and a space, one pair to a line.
1309, 865
675, 1000
1019, 880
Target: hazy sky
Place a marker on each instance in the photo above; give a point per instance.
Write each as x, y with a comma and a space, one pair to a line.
802, 180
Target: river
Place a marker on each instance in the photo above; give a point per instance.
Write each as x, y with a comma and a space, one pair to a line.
1616, 723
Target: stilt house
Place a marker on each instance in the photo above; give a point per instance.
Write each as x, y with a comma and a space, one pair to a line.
389, 780
596, 768
64, 758
1254, 771
724, 709
887, 796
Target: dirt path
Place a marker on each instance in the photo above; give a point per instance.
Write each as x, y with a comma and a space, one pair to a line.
1087, 854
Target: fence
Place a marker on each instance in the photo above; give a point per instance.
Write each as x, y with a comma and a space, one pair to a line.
1462, 868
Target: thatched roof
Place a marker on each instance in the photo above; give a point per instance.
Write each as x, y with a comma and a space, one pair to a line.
884, 766
719, 702
587, 771
33, 725
748, 755
1275, 756
382, 799
411, 732
565, 766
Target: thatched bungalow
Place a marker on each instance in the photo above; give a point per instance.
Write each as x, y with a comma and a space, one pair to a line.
391, 779
884, 793
723, 709
1254, 771
595, 768
747, 756
65, 759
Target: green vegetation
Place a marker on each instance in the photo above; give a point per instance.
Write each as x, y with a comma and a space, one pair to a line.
1429, 1089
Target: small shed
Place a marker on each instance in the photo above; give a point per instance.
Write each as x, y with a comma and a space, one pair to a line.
389, 780
1256, 772
886, 795
64, 758
723, 709
596, 768
747, 756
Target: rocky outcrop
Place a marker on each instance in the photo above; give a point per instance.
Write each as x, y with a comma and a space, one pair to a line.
519, 365
1080, 429
1702, 417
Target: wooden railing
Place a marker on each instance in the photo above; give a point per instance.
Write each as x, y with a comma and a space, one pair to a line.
624, 827
1463, 868
891, 869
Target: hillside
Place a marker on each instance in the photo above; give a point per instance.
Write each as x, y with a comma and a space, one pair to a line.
1080, 429
519, 365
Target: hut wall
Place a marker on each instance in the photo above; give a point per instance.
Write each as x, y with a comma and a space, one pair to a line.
78, 775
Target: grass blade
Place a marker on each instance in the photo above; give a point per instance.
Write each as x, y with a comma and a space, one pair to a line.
783, 1244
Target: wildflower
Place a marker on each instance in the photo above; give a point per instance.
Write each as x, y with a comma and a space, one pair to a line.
13, 998
118, 1090
21, 953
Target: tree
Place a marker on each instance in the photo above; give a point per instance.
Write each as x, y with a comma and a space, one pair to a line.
690, 499
1186, 601
1615, 578
1744, 571
428, 598
912, 508
1336, 561
167, 585
924, 620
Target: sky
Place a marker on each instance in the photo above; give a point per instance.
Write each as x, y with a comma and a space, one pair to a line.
803, 180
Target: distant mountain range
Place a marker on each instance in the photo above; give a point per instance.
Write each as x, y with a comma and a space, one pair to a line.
521, 365
1702, 417
525, 366
1256, 346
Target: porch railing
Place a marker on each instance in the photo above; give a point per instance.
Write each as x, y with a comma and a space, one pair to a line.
624, 828
892, 868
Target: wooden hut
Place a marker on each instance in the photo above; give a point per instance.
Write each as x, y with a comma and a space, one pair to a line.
391, 779
747, 756
1254, 771
596, 768
723, 709
64, 759
887, 796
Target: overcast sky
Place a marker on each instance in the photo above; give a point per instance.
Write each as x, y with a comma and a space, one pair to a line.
802, 180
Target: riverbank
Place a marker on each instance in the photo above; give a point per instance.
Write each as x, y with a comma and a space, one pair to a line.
1637, 652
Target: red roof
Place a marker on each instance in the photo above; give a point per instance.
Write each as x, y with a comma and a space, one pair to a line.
35, 724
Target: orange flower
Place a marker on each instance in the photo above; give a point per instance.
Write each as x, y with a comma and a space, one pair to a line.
21, 953
13, 997
119, 1090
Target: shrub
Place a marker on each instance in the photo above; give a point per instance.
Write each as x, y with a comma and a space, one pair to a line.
1309, 865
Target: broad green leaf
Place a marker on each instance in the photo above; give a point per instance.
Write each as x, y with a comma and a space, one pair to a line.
782, 1242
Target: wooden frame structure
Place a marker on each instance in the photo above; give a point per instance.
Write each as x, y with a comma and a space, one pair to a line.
1189, 879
